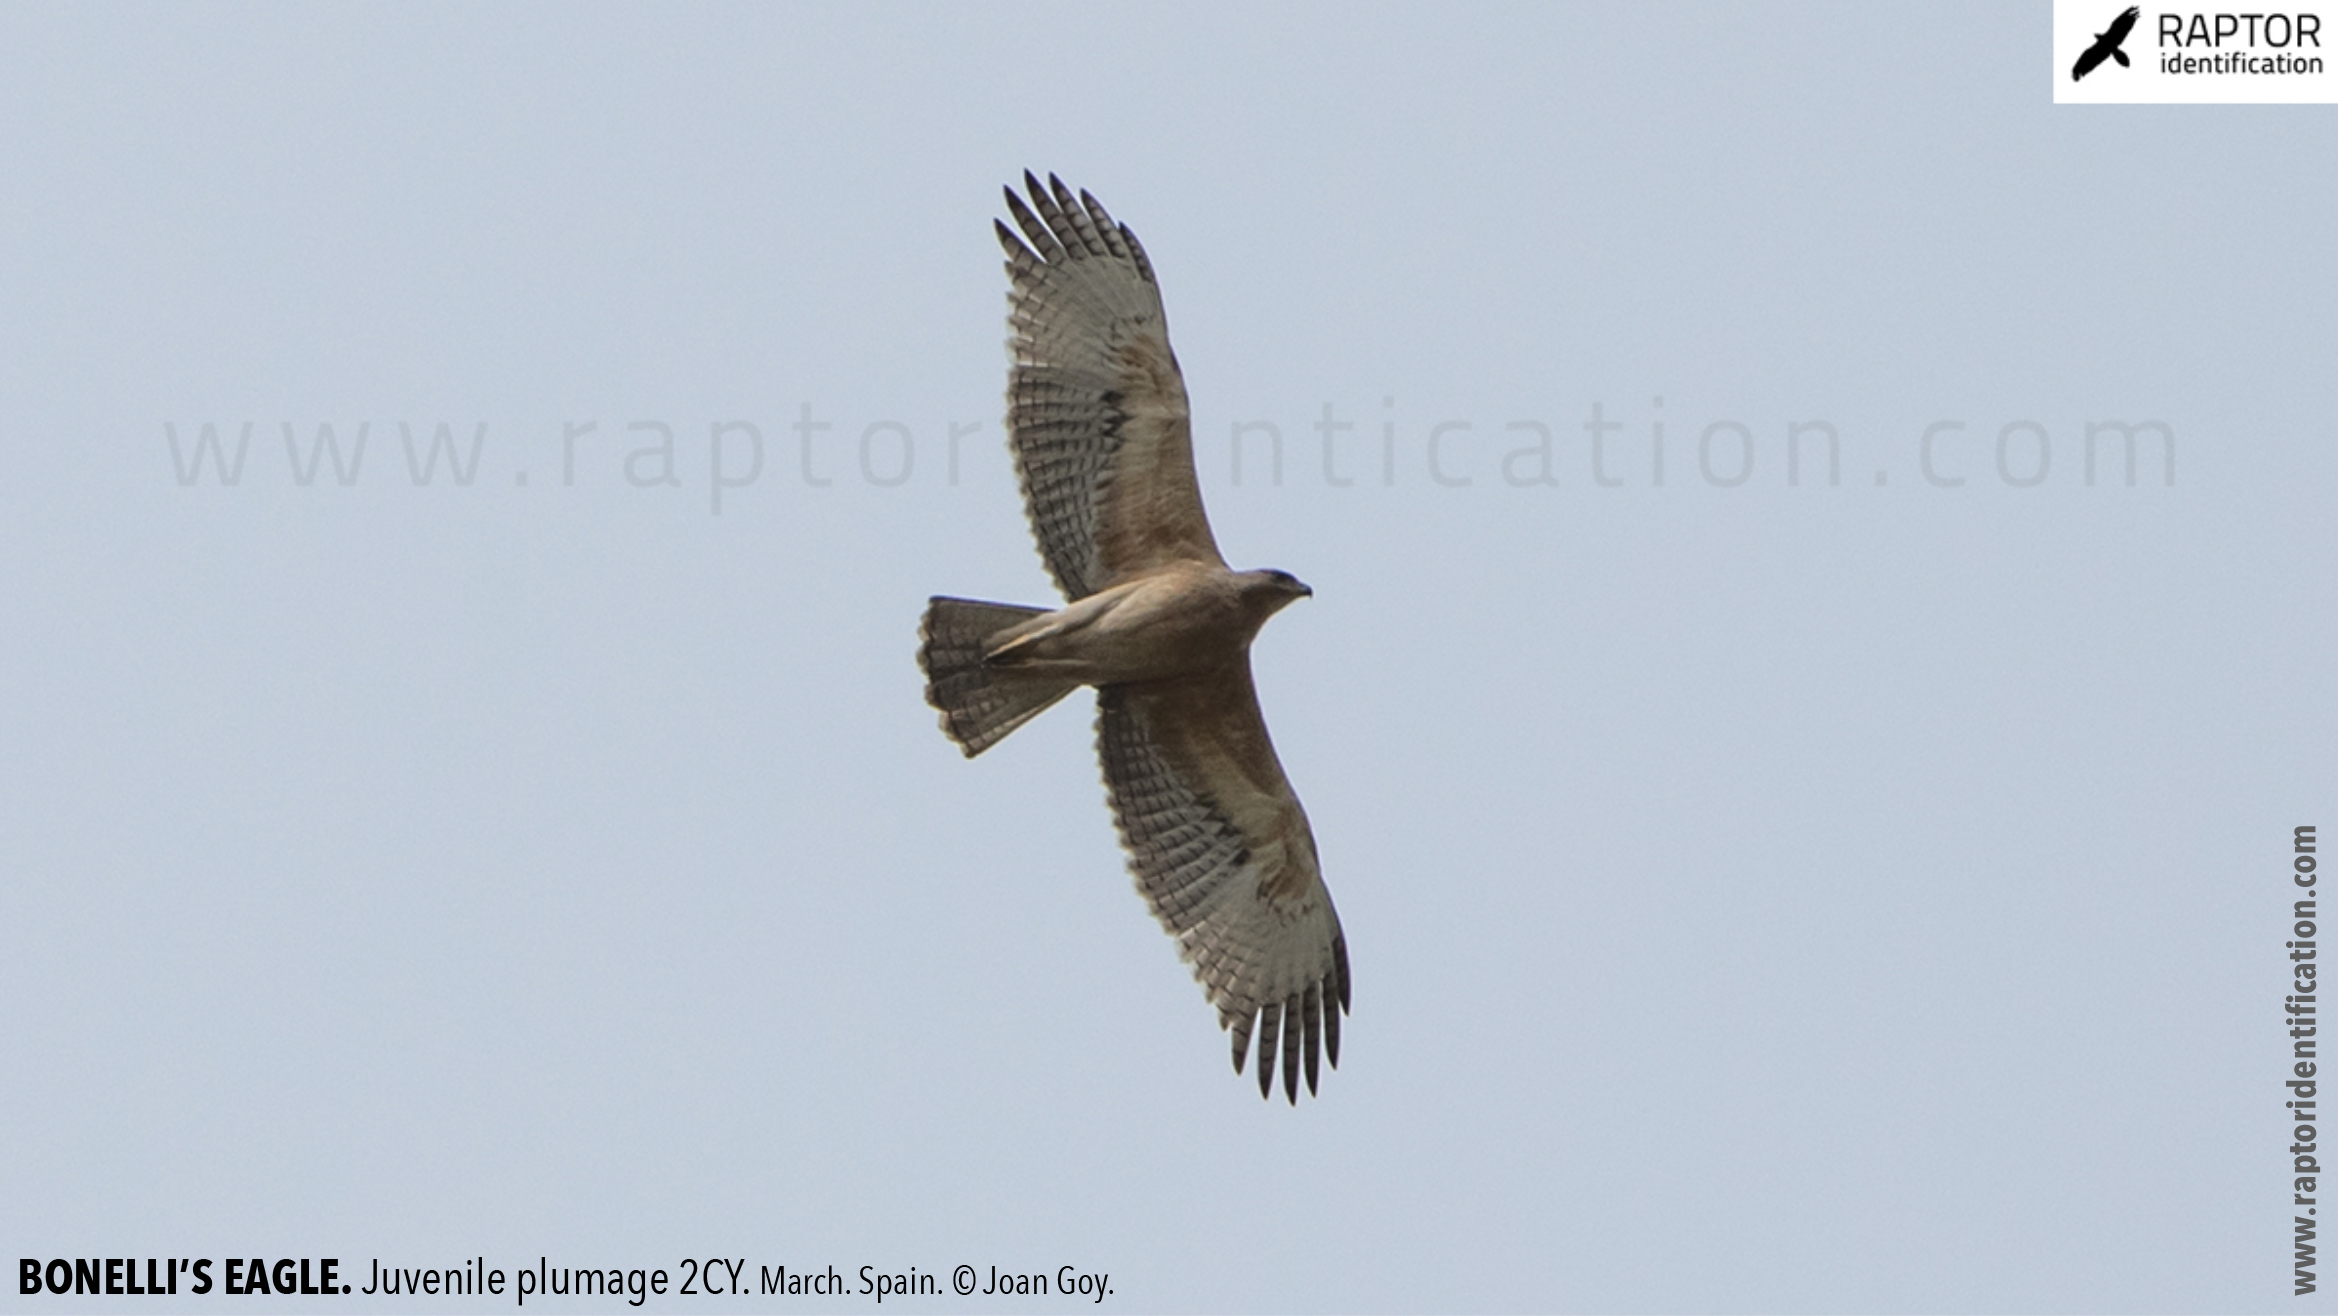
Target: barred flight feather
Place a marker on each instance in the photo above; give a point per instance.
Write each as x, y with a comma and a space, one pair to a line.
1257, 956
1095, 391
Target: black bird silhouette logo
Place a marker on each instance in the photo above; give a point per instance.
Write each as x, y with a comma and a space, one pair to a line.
2106, 44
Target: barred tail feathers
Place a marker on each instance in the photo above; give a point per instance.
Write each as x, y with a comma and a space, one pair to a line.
979, 703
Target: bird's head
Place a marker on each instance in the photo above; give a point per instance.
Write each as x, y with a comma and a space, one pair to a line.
1271, 591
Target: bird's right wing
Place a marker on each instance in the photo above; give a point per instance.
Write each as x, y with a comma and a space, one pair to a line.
1096, 409
1222, 852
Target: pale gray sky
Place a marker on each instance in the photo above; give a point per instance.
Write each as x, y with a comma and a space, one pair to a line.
1763, 895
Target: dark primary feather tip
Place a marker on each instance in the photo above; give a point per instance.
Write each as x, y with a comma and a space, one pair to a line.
1270, 1027
1291, 1032
1311, 1015
1106, 231
1339, 968
1029, 223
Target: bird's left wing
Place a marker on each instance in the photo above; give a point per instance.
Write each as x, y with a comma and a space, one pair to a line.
1223, 854
1096, 409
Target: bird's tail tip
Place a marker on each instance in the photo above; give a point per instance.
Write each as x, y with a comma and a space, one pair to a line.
980, 704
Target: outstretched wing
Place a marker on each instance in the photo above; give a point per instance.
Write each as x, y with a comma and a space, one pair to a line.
2093, 55
2122, 25
1096, 408
1223, 854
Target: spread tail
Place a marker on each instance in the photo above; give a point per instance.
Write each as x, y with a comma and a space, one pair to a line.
979, 703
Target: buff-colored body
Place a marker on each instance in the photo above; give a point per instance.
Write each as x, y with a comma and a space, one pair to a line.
1184, 619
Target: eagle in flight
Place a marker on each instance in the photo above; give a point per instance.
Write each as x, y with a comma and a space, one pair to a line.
2106, 45
1158, 624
